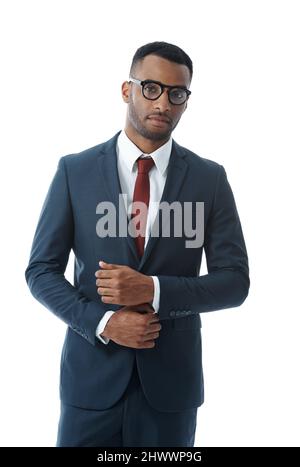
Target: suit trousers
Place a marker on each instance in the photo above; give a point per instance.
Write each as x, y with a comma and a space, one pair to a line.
130, 422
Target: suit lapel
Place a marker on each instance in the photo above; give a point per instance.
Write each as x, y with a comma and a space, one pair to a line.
176, 173
107, 164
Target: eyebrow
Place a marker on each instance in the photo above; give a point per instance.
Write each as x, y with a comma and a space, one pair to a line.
168, 85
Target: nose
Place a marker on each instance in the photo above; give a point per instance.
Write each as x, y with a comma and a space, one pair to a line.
163, 103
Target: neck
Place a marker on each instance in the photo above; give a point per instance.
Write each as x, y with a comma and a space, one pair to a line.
147, 146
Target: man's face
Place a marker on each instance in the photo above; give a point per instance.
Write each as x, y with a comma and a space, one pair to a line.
141, 111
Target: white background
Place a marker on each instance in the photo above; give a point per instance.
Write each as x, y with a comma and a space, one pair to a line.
62, 65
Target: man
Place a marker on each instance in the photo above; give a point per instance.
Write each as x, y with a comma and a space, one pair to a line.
131, 365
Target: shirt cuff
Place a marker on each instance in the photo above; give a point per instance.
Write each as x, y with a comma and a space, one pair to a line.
101, 326
156, 295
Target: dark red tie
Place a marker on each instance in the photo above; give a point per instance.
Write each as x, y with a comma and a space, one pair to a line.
142, 194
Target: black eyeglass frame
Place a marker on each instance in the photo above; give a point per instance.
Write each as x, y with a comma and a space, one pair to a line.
163, 86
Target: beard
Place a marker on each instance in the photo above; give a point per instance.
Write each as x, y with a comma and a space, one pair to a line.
136, 122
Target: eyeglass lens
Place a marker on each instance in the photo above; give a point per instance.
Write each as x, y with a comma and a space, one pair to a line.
154, 90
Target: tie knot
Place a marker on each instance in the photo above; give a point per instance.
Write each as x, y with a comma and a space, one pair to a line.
145, 164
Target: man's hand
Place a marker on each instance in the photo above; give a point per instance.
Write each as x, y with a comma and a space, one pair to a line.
122, 285
132, 328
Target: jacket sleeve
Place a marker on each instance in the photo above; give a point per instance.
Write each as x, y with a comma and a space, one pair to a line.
49, 256
227, 283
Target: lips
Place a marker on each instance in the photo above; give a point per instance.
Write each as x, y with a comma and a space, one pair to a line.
159, 119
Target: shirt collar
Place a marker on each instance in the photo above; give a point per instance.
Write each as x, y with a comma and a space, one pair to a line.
128, 153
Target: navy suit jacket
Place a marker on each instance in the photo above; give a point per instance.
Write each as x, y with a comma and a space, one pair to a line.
94, 375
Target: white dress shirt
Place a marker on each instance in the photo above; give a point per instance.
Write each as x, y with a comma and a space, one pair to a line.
127, 154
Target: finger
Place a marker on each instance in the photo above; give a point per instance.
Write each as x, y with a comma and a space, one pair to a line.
103, 291
146, 345
152, 317
149, 325
154, 328
110, 266
150, 337
104, 283
105, 274
109, 299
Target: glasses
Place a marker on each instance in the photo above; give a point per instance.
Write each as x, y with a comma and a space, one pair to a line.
153, 90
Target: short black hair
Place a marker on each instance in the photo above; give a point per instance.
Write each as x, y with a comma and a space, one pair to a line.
170, 52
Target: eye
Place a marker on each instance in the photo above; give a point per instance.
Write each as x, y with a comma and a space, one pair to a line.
151, 88
178, 93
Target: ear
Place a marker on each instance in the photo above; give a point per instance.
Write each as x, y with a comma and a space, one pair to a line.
125, 91
185, 106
